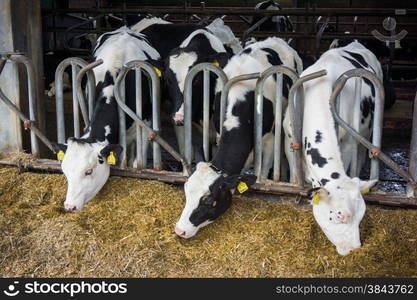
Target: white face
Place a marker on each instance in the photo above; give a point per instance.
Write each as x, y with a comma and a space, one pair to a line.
339, 214
84, 172
196, 187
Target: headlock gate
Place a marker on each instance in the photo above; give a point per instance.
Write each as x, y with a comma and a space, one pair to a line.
144, 131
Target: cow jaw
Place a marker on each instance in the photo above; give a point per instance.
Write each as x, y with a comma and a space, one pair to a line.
81, 159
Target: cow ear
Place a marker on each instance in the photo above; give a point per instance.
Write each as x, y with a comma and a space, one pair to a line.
111, 153
59, 147
220, 59
318, 194
158, 66
366, 185
60, 150
233, 181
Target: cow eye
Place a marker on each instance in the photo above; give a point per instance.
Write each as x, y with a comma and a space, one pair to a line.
88, 172
207, 200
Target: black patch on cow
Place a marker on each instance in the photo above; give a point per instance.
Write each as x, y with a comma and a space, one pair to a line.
362, 121
353, 62
272, 56
335, 175
367, 107
305, 142
165, 37
324, 181
371, 86
358, 58
308, 145
319, 137
247, 50
316, 158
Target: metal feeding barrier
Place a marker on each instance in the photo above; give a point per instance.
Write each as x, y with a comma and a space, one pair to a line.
29, 123
375, 146
206, 68
78, 100
146, 130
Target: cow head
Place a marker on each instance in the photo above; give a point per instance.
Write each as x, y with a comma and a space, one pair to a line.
86, 167
208, 194
339, 209
177, 66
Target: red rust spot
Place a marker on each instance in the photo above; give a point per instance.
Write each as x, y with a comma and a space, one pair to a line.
296, 146
26, 124
152, 135
375, 152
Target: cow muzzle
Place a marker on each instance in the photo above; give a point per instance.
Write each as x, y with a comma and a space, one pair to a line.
71, 208
179, 119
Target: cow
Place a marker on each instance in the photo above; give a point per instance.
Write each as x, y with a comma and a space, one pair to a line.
85, 163
209, 189
276, 23
338, 205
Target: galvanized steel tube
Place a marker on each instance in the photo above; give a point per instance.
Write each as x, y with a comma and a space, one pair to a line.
412, 192
188, 152
206, 114
379, 106
354, 168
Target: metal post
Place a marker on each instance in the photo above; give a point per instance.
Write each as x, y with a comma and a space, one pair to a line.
354, 168
413, 152
75, 109
188, 103
277, 136
122, 127
140, 153
377, 129
206, 114
59, 93
294, 109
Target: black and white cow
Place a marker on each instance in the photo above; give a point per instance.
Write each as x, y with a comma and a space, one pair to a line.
200, 46
339, 206
84, 164
209, 189
276, 23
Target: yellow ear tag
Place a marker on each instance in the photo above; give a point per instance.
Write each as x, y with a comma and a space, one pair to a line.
158, 72
216, 63
242, 187
316, 199
111, 160
60, 155
366, 191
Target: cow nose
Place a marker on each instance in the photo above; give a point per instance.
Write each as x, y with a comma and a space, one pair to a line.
179, 119
344, 218
70, 208
179, 232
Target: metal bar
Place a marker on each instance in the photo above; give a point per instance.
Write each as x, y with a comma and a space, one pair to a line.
294, 110
238, 11
412, 169
379, 106
59, 94
277, 136
140, 152
225, 93
122, 125
253, 28
258, 115
188, 103
31, 84
87, 69
206, 114
75, 108
270, 187
24, 119
354, 168
152, 134
156, 122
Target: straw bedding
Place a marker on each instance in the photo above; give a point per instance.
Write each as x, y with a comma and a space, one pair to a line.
127, 231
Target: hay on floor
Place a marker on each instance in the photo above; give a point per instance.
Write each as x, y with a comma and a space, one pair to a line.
127, 230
